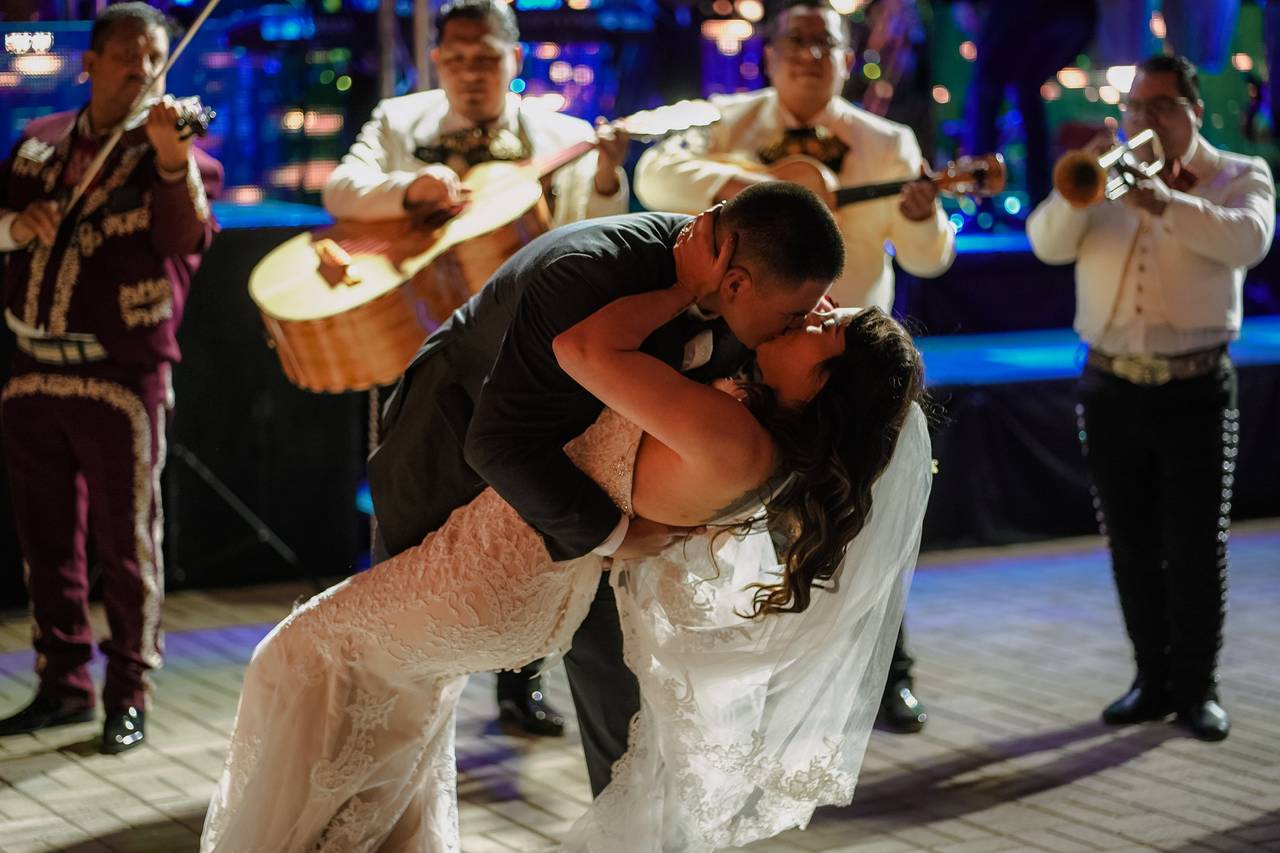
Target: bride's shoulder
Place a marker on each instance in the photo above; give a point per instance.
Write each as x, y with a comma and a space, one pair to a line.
747, 455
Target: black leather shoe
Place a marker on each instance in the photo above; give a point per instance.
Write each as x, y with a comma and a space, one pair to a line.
1143, 703
1206, 720
900, 710
123, 731
531, 712
45, 713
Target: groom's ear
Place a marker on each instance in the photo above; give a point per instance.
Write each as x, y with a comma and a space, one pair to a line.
736, 280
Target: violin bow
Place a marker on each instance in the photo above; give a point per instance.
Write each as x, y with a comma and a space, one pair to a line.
95, 165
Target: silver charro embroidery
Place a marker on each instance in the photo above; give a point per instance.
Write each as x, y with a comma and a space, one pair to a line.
35, 150
144, 495
195, 187
27, 168
88, 238
146, 303
35, 283
53, 166
152, 638
63, 286
129, 222
128, 162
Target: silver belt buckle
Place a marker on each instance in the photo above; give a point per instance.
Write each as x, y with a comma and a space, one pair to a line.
1142, 370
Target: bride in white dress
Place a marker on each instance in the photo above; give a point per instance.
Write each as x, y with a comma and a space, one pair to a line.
759, 677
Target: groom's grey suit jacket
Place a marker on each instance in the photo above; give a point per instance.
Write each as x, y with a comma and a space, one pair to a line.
485, 403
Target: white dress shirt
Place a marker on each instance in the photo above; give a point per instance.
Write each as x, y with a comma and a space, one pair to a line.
370, 182
1168, 284
677, 175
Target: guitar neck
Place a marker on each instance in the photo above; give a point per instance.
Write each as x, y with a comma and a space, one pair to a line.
546, 165
866, 192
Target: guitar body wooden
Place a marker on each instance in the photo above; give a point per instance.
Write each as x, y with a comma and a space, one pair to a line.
978, 176
808, 173
349, 306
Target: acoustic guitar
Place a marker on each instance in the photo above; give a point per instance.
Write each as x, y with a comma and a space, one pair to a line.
347, 307
978, 177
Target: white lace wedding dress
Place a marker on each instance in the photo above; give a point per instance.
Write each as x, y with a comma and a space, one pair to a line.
343, 740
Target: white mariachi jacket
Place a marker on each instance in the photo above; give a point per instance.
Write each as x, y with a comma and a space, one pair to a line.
370, 182
1201, 245
677, 175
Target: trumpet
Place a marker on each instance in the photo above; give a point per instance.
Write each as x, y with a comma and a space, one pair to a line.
1083, 179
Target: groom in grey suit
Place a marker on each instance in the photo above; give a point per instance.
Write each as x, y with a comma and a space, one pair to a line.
484, 402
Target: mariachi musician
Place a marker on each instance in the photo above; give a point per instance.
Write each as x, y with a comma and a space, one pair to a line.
94, 290
1159, 287
809, 57
408, 161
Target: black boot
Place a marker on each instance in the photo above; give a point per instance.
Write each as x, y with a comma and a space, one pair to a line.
900, 710
45, 713
1147, 700
522, 703
123, 731
1206, 720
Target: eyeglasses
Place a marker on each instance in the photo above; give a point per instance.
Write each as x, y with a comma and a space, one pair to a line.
793, 46
1161, 106
483, 63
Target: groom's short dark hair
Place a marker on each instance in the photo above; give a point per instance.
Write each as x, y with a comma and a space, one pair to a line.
786, 233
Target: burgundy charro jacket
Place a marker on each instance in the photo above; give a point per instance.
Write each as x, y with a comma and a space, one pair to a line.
121, 268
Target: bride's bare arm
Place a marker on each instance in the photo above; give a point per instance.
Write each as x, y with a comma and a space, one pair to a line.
706, 428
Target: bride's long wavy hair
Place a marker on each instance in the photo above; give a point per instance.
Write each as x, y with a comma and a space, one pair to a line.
832, 450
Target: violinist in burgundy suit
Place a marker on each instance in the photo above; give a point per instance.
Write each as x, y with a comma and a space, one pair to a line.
94, 289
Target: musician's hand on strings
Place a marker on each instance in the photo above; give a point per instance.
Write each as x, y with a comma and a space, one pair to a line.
916, 201
172, 144
700, 263
611, 147
1150, 194
39, 221
436, 189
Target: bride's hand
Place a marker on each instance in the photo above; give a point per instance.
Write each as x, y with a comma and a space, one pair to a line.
700, 266
647, 538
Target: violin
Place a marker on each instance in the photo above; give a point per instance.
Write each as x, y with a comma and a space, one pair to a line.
194, 117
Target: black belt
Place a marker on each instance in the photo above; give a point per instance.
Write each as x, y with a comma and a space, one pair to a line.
1157, 369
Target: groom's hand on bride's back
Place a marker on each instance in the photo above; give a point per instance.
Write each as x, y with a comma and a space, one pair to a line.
647, 538
700, 263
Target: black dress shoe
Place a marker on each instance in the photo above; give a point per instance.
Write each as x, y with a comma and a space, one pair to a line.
900, 710
1145, 702
45, 713
530, 711
1206, 720
123, 730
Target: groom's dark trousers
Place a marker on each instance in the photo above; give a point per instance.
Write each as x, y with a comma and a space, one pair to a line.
485, 403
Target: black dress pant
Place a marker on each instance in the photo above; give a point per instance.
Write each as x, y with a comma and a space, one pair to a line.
901, 663
1162, 460
605, 691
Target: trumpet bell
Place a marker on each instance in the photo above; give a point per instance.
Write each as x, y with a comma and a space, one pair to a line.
1084, 179
1079, 179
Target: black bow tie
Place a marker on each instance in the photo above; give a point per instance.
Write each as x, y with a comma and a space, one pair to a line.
816, 142
473, 146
